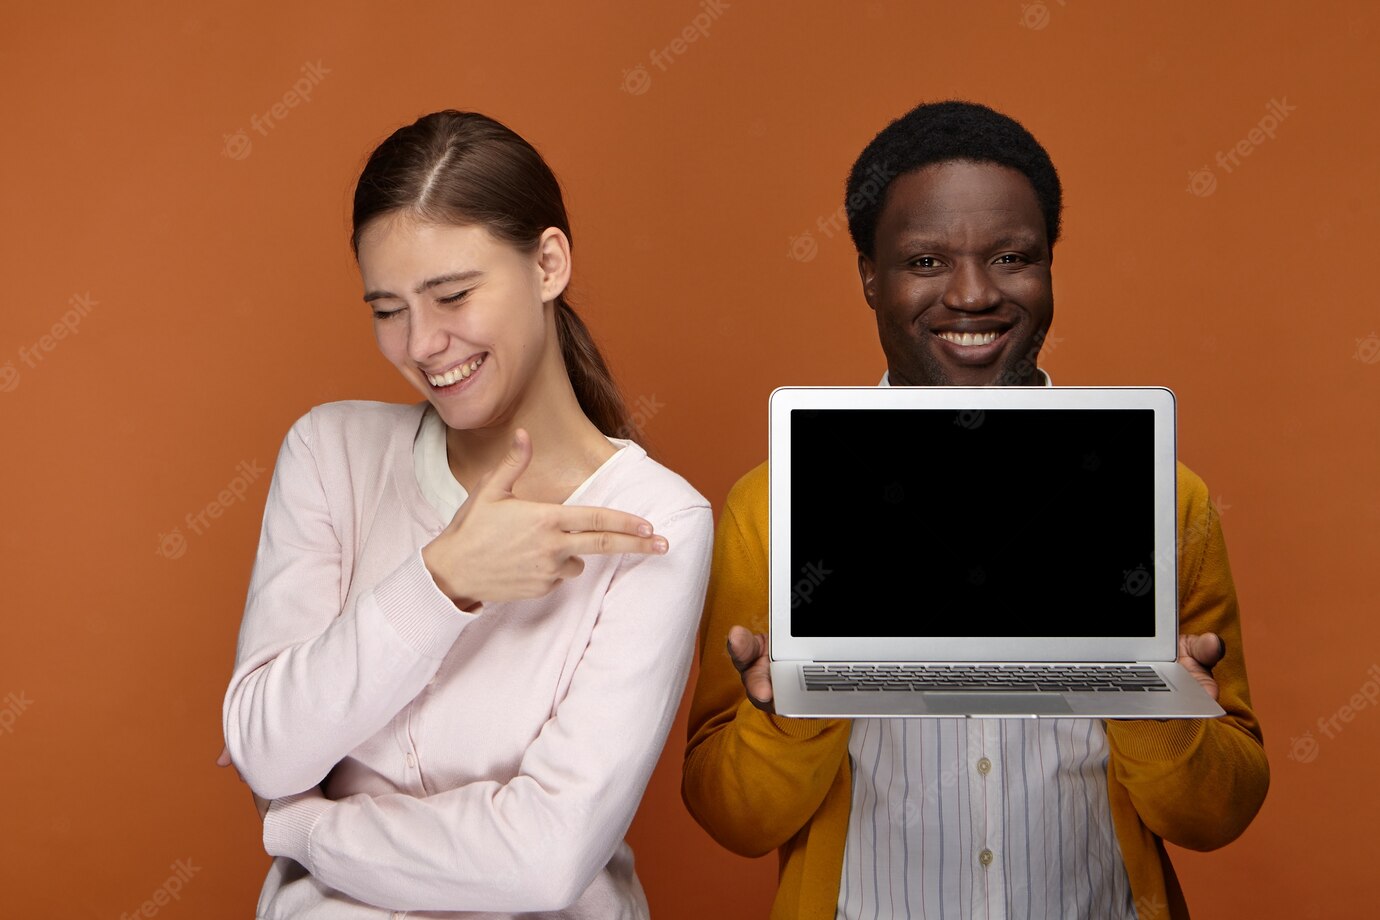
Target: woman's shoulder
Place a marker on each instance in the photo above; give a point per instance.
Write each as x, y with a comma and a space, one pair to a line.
355, 420
350, 438
646, 487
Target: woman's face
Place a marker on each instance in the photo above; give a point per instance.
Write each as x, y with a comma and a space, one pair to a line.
461, 313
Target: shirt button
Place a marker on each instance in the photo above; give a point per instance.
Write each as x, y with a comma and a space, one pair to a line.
984, 766
411, 762
985, 857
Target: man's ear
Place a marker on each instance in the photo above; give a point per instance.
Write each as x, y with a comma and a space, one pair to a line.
867, 273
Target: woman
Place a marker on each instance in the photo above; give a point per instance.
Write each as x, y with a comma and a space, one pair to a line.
470, 620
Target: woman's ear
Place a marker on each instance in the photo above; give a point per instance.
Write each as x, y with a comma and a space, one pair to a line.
553, 263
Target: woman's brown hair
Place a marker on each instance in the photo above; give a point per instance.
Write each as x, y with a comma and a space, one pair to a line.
468, 169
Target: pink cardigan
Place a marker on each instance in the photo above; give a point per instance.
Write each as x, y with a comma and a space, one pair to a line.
487, 762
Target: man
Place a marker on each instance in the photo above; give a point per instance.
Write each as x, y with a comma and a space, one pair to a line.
978, 817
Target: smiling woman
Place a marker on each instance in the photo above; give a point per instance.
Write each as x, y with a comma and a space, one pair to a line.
470, 619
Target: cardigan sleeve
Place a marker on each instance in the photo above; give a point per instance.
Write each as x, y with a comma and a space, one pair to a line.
536, 841
751, 779
1199, 782
312, 681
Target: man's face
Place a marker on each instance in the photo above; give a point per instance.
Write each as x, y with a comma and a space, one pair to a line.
960, 279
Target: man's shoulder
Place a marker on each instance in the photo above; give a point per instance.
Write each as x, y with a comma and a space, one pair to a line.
1192, 491
748, 496
1189, 481
747, 500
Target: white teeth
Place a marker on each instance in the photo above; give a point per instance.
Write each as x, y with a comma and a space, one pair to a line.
969, 338
455, 374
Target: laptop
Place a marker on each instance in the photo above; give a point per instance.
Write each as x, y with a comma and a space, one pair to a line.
1000, 552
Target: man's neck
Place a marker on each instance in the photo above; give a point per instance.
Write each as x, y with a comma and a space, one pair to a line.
1037, 379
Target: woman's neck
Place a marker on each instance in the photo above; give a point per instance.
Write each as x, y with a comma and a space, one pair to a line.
566, 446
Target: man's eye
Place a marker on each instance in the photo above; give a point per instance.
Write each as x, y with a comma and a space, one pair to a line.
925, 262
1010, 258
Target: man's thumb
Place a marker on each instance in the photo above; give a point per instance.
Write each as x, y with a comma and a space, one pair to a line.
742, 647
502, 477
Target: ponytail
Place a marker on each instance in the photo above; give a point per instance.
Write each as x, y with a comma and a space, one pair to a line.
589, 375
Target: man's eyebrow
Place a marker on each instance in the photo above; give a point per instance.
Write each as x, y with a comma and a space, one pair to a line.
1009, 241
922, 242
428, 283
1016, 240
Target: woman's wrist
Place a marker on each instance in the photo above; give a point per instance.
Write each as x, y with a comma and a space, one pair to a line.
442, 574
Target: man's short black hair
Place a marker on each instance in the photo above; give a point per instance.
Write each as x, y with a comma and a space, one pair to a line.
936, 132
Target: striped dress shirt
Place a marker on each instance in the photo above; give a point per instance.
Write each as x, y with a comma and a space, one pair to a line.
981, 818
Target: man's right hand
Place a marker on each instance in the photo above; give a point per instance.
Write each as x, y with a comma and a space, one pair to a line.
748, 652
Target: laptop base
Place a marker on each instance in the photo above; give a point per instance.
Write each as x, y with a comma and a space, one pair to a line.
1186, 699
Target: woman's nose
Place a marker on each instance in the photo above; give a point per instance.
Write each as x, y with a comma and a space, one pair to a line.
425, 334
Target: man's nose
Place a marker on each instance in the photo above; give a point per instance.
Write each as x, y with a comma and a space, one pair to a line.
970, 288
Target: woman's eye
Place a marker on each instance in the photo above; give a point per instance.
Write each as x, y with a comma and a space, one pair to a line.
384, 314
453, 298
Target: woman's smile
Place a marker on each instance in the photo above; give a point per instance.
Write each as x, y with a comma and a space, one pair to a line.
456, 378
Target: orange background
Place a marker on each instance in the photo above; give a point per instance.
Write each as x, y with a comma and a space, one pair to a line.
223, 302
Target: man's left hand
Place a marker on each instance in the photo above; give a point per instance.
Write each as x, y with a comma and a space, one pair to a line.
1199, 654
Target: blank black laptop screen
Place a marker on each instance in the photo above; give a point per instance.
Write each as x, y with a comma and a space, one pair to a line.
984, 523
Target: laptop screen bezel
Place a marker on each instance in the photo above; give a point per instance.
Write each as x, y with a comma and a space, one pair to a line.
1162, 646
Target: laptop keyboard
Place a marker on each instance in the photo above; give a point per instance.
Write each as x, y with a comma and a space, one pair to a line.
984, 678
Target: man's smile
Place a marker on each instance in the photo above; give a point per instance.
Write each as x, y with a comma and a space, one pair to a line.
972, 344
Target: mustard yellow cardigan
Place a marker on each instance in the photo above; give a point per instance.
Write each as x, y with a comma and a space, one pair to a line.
759, 782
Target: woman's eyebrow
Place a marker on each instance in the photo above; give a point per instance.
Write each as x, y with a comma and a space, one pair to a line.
428, 283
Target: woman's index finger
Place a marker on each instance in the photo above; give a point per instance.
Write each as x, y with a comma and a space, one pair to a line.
577, 518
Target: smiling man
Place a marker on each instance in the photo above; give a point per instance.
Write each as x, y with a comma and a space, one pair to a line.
957, 268
969, 817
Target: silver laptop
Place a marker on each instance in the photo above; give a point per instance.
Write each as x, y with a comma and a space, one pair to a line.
976, 551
